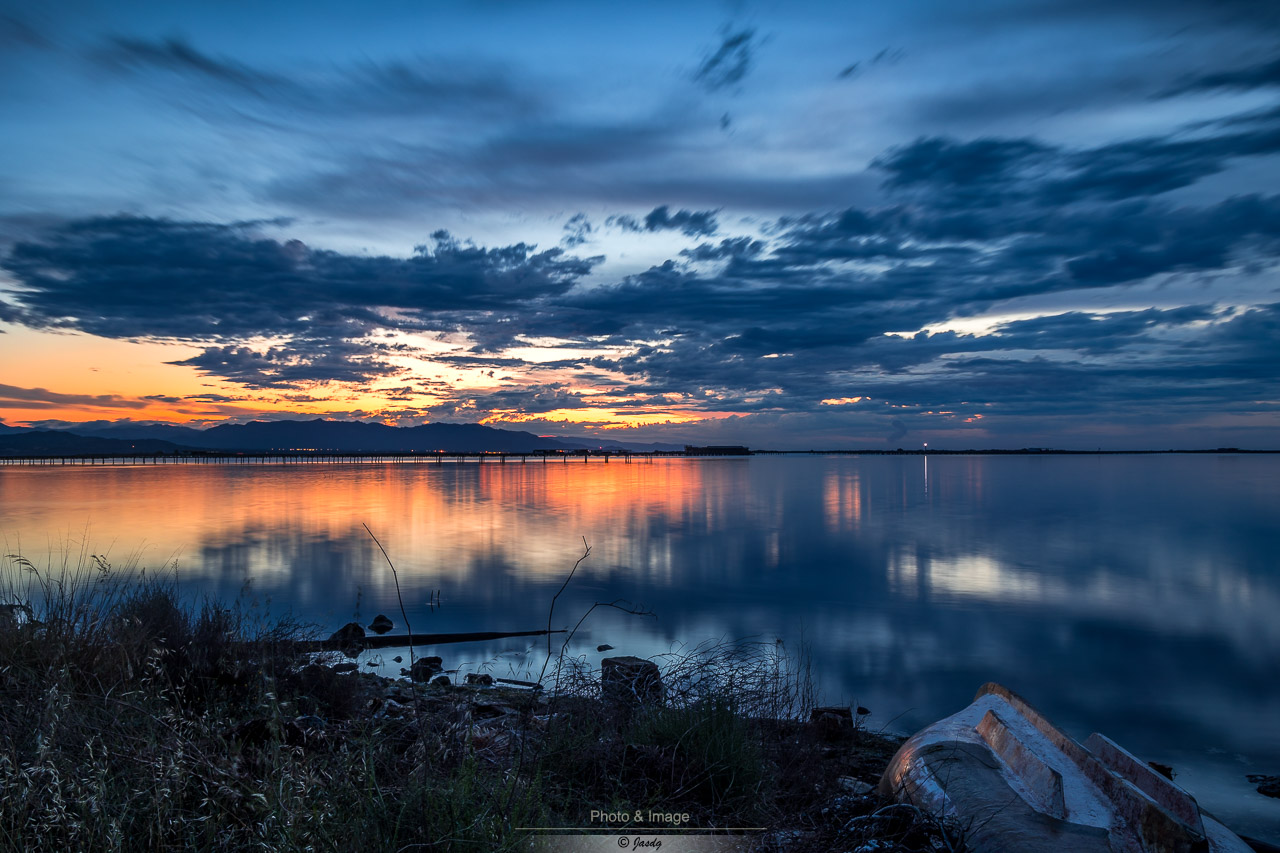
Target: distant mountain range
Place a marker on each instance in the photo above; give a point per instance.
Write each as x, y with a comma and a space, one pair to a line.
315, 435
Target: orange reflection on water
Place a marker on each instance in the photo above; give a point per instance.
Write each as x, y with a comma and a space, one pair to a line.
842, 500
447, 524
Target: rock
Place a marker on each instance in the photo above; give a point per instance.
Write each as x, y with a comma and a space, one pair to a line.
631, 682
371, 663
832, 722
398, 659
1165, 770
381, 624
855, 786
483, 679
863, 712
604, 647
349, 639
424, 668
442, 681
344, 667
1267, 785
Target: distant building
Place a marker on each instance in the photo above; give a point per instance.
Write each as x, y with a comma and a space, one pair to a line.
716, 450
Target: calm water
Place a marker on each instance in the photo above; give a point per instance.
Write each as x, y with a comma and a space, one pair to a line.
1134, 595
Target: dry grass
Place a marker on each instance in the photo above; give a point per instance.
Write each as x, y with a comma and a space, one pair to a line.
131, 719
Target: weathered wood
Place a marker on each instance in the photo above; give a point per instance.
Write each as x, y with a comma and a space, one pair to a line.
388, 641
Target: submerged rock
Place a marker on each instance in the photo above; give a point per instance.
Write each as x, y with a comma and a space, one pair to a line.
381, 624
1268, 785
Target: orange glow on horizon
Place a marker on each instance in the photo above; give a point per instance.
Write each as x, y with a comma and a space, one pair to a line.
77, 378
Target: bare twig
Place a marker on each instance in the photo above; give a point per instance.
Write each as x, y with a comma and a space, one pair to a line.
408, 628
616, 604
586, 553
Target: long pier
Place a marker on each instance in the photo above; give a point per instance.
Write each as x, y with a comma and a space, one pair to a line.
306, 457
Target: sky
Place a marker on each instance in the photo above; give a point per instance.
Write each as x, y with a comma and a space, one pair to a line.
1041, 223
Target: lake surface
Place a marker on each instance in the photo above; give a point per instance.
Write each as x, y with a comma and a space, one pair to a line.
1137, 595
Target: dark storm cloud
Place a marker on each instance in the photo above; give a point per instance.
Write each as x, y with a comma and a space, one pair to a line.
301, 363
981, 168
533, 399
128, 277
992, 172
730, 62
694, 223
577, 230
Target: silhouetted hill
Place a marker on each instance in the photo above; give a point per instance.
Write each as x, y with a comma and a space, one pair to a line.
185, 436
43, 442
350, 436
336, 436
325, 435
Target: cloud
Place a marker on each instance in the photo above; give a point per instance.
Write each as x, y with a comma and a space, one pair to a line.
17, 33
992, 172
694, 223
301, 363
13, 396
1258, 76
577, 230
130, 277
456, 88
729, 64
175, 55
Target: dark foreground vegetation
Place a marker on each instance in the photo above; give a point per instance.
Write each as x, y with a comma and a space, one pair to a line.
132, 720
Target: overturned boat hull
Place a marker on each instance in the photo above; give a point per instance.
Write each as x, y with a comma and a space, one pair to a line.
1015, 782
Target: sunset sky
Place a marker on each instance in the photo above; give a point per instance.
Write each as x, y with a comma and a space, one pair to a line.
989, 224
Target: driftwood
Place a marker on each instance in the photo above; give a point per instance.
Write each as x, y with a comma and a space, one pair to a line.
387, 641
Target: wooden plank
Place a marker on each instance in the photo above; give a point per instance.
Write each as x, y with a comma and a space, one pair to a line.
387, 641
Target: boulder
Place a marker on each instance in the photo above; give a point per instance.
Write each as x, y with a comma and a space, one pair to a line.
484, 679
349, 639
631, 682
832, 722
381, 624
424, 668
